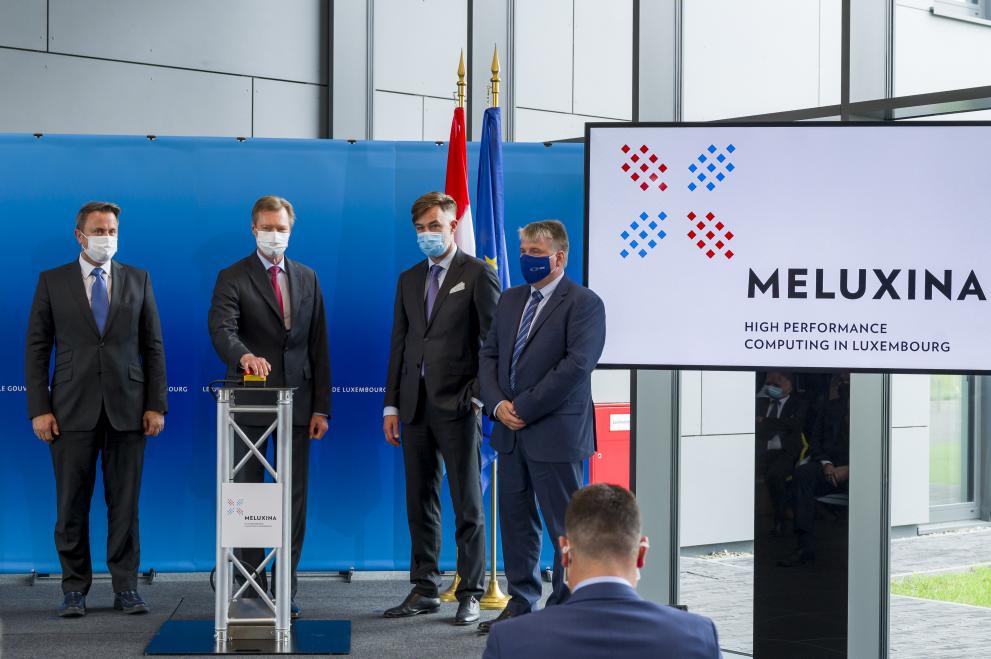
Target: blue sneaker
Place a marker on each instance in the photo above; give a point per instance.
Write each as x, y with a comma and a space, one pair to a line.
73, 605
130, 602
294, 610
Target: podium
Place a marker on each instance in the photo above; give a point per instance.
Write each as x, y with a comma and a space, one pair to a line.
253, 515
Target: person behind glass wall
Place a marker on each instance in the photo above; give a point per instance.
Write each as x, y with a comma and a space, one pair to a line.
781, 414
828, 469
108, 392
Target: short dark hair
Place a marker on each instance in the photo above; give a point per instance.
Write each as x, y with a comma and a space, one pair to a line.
95, 207
434, 200
603, 522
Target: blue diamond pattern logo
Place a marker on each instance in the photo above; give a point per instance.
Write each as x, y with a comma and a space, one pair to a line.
646, 235
718, 165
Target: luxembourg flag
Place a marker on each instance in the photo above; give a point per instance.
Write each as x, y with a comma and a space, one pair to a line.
456, 184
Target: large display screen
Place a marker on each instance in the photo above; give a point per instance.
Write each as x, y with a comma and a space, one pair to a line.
842, 246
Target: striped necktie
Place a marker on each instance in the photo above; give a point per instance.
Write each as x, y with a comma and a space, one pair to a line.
521, 337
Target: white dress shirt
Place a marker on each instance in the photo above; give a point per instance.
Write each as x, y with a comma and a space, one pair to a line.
283, 286
774, 444
87, 269
595, 580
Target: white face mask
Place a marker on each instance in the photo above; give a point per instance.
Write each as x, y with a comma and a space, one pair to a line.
101, 249
272, 244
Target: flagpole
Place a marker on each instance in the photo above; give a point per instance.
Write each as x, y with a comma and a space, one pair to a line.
494, 597
451, 594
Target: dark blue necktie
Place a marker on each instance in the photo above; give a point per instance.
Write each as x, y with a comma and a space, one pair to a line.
521, 337
433, 288
100, 299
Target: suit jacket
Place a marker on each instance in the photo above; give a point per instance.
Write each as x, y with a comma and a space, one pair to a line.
447, 343
830, 437
122, 370
554, 373
605, 620
788, 425
245, 318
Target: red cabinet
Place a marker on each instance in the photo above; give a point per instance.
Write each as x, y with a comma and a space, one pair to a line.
611, 461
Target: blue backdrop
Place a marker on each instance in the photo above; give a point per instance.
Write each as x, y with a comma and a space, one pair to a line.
186, 214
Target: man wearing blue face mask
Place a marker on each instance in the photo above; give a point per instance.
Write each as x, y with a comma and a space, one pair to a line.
536, 373
444, 306
780, 415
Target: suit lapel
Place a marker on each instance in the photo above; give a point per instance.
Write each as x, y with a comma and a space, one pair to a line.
260, 279
563, 287
417, 285
452, 277
117, 287
74, 282
295, 289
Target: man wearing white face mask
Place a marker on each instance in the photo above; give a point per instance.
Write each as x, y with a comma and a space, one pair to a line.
107, 393
267, 318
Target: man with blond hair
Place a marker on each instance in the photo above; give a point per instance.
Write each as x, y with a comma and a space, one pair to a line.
536, 371
267, 318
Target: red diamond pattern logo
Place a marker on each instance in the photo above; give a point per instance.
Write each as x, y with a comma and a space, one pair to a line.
711, 236
645, 165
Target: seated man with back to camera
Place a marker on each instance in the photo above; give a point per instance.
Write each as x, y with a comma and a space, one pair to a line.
602, 552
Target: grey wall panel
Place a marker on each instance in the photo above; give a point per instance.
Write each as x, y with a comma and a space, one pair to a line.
57, 94
285, 40
350, 95
23, 23
289, 109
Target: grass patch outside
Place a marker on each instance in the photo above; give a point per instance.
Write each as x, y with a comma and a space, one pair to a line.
971, 587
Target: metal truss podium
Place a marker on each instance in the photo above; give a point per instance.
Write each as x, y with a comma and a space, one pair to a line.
253, 515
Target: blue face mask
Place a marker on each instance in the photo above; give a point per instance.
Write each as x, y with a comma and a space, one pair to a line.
774, 392
534, 268
431, 243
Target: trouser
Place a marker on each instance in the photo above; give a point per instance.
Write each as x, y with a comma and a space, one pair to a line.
254, 472
523, 485
810, 482
428, 439
776, 466
74, 457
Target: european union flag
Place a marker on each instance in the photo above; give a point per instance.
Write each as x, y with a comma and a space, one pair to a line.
490, 233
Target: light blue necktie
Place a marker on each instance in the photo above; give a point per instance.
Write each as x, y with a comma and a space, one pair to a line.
100, 299
521, 337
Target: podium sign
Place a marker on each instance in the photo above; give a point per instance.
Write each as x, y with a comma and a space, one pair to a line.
252, 515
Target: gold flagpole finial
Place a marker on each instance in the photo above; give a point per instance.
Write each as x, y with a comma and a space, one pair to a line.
461, 80
495, 77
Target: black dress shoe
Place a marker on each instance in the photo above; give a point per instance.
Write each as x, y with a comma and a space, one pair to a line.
467, 611
484, 627
129, 602
294, 611
414, 604
73, 605
797, 558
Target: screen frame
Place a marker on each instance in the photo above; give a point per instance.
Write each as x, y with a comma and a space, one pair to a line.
842, 125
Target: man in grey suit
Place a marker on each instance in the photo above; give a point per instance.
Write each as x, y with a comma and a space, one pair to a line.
107, 393
267, 318
536, 370
443, 309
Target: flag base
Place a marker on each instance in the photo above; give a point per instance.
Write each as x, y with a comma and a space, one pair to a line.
450, 595
493, 599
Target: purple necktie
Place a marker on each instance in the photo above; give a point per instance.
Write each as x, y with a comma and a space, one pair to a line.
433, 288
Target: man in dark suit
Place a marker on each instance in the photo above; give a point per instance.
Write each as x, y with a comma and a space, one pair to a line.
107, 393
536, 371
443, 310
603, 550
267, 318
781, 415
827, 470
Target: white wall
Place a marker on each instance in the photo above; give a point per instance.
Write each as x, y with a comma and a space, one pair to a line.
183, 67
758, 56
574, 63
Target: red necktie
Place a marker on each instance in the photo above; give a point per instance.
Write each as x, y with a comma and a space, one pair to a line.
274, 271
